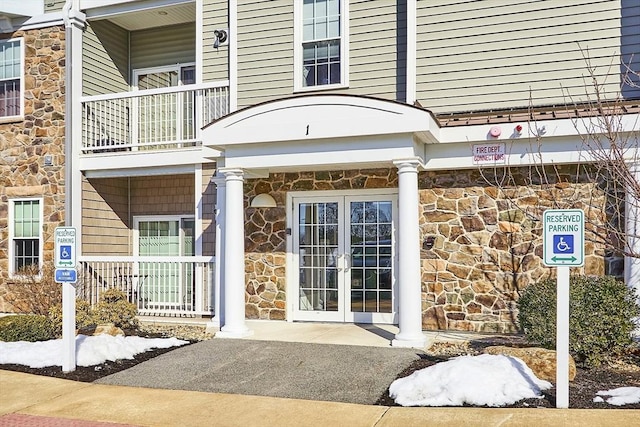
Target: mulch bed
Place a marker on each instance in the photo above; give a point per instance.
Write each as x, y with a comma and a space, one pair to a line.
582, 389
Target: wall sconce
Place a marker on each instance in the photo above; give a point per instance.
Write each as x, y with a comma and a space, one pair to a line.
263, 200
221, 37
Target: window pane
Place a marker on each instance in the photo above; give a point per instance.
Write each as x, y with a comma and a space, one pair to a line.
334, 26
321, 28
26, 219
26, 252
10, 78
333, 7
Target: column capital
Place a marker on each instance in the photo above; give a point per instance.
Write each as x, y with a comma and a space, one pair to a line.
407, 165
218, 179
231, 173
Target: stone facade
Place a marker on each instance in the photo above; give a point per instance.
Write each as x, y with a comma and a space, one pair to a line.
265, 234
481, 241
24, 143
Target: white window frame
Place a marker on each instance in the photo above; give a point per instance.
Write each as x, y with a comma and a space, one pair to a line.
298, 56
143, 218
12, 204
20, 115
160, 69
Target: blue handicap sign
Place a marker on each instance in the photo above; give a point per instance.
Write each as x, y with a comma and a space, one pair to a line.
563, 244
65, 252
66, 275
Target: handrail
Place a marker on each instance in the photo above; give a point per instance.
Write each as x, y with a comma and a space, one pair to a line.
101, 258
158, 91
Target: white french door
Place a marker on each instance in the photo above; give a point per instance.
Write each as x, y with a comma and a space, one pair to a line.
343, 250
168, 117
164, 284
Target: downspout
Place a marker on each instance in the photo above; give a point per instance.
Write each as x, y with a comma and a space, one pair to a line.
411, 51
233, 55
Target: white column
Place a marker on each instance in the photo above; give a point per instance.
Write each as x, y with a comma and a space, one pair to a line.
234, 286
632, 264
409, 277
218, 294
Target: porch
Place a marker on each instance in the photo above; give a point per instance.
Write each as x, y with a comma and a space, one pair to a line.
176, 286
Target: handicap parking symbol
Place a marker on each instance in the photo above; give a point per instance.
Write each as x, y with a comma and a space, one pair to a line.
65, 252
563, 244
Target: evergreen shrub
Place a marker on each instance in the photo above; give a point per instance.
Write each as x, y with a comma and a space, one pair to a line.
601, 317
26, 327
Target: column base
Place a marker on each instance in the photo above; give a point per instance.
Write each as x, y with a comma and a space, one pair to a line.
413, 341
234, 333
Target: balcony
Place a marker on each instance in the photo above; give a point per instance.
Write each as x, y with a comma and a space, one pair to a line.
154, 119
159, 286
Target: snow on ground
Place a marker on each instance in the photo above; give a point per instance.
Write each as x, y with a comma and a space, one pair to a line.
90, 350
492, 380
619, 396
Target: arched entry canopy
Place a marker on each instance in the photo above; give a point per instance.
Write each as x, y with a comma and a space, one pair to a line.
313, 132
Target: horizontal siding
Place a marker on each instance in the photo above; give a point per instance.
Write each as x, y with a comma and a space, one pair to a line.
215, 66
163, 46
477, 55
105, 217
105, 67
265, 50
376, 54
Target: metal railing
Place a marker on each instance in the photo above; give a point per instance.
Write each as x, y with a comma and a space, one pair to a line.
151, 119
158, 286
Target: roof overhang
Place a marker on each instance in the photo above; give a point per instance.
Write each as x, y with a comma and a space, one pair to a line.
321, 131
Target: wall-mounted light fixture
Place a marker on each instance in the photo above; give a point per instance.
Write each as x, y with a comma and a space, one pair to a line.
429, 242
221, 37
263, 200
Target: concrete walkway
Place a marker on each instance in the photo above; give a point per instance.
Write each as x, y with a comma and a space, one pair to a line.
32, 400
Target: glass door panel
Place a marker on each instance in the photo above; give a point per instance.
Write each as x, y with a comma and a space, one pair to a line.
370, 246
318, 249
344, 251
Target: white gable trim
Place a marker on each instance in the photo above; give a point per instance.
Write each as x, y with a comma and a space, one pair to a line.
309, 117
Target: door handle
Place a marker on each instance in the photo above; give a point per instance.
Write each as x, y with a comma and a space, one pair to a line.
347, 262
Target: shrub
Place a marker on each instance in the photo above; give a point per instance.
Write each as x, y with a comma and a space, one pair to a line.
28, 327
84, 316
34, 291
114, 308
601, 313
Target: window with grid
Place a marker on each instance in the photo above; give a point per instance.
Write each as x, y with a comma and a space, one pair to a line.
322, 43
10, 78
26, 234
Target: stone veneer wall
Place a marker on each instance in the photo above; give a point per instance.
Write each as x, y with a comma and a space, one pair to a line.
486, 241
24, 143
265, 234
483, 245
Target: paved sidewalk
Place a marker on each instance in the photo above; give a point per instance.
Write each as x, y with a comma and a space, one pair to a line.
43, 401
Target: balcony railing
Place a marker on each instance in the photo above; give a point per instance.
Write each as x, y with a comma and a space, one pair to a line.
158, 286
151, 119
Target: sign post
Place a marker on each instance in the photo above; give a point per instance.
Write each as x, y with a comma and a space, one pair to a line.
563, 247
65, 273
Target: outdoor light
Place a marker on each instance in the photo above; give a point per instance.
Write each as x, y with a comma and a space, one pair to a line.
263, 201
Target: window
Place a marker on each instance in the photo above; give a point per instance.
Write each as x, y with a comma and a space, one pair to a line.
26, 234
10, 78
321, 44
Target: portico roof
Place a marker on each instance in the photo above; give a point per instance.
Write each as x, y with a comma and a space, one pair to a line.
321, 131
